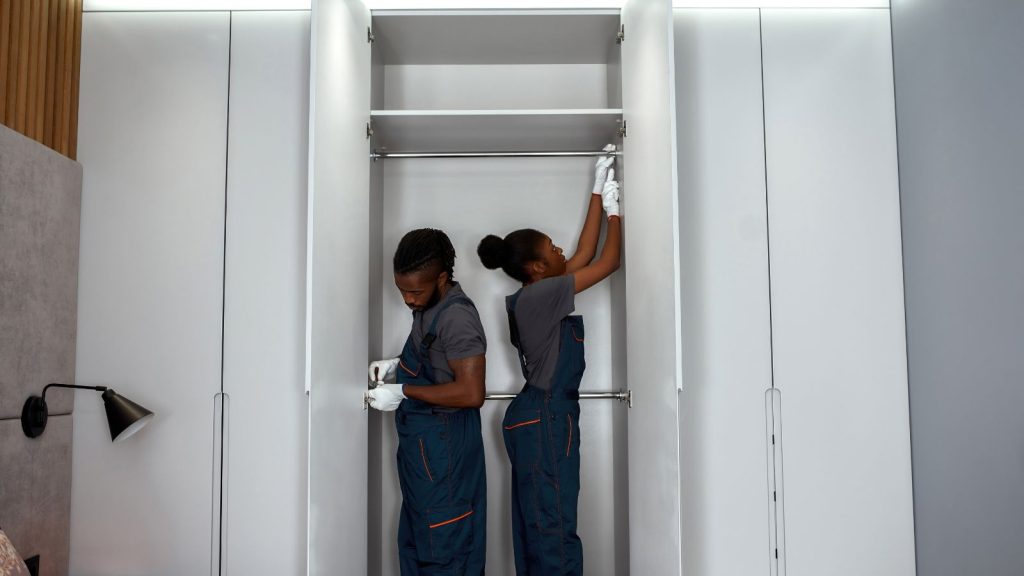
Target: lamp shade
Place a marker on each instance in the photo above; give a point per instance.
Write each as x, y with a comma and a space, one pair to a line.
123, 416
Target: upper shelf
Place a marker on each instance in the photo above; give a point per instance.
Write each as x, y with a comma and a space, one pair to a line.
418, 37
494, 130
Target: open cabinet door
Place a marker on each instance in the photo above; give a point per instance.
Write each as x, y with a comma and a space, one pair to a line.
337, 291
652, 286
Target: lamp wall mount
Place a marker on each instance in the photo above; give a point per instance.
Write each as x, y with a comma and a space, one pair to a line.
124, 417
34, 414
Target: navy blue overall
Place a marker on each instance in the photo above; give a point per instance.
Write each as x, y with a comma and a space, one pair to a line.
441, 471
542, 437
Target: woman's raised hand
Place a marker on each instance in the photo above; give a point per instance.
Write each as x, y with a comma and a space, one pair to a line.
610, 195
601, 169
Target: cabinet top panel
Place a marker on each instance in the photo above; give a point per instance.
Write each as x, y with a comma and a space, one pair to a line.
495, 36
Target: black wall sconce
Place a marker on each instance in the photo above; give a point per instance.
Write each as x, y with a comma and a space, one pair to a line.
123, 416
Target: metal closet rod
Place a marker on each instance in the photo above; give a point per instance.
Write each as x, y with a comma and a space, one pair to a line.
384, 155
622, 396
625, 396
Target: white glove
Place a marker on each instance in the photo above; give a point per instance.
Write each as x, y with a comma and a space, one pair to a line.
601, 169
385, 397
610, 195
382, 370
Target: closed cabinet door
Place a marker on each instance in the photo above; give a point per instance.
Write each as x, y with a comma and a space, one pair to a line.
838, 337
152, 133
723, 232
265, 421
793, 418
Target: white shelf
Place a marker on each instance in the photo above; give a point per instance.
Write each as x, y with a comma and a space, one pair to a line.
495, 36
494, 130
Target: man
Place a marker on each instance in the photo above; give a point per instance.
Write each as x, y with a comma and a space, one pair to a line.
440, 389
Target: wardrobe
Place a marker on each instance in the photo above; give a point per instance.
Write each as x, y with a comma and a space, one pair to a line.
794, 418
247, 176
539, 92
193, 132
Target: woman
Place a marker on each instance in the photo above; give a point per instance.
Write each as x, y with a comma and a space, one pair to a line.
541, 425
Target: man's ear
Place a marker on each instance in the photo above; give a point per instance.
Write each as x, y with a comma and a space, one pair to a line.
442, 278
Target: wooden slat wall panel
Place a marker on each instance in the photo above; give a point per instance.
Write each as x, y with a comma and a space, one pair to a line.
40, 55
5, 49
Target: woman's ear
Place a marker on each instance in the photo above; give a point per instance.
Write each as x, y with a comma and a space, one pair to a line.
538, 268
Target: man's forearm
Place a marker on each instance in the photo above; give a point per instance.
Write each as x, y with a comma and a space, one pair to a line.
448, 394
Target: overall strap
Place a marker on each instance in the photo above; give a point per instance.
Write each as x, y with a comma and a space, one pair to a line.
513, 330
431, 334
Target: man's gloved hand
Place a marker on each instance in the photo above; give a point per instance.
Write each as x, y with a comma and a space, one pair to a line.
382, 370
601, 169
610, 195
385, 397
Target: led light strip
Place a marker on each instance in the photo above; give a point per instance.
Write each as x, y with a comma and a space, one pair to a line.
191, 5
205, 5
780, 3
489, 4
219, 5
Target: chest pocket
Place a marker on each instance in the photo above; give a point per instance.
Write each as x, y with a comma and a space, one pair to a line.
410, 367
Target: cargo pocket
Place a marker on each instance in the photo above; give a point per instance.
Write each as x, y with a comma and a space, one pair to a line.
449, 534
521, 430
529, 421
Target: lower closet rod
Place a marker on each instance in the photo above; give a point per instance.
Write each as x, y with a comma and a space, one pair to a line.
622, 396
625, 396
385, 155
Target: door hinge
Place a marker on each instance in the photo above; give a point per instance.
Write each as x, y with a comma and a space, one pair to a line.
622, 129
369, 130
369, 35
773, 439
620, 37
775, 496
776, 553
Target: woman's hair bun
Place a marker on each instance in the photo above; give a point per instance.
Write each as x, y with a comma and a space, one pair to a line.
492, 251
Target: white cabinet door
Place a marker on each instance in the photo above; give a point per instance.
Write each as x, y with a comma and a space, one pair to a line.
652, 286
264, 363
337, 287
726, 318
837, 292
152, 132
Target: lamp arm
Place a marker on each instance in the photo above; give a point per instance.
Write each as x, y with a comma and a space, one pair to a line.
97, 388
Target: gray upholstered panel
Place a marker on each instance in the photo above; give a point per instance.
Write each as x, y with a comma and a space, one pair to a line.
35, 491
959, 90
40, 201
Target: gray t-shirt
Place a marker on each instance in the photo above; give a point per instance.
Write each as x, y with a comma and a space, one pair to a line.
539, 313
459, 333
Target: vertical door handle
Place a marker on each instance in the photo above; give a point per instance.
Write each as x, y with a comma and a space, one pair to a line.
776, 493
219, 485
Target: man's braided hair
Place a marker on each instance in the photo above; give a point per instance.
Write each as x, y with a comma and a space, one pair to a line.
422, 248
